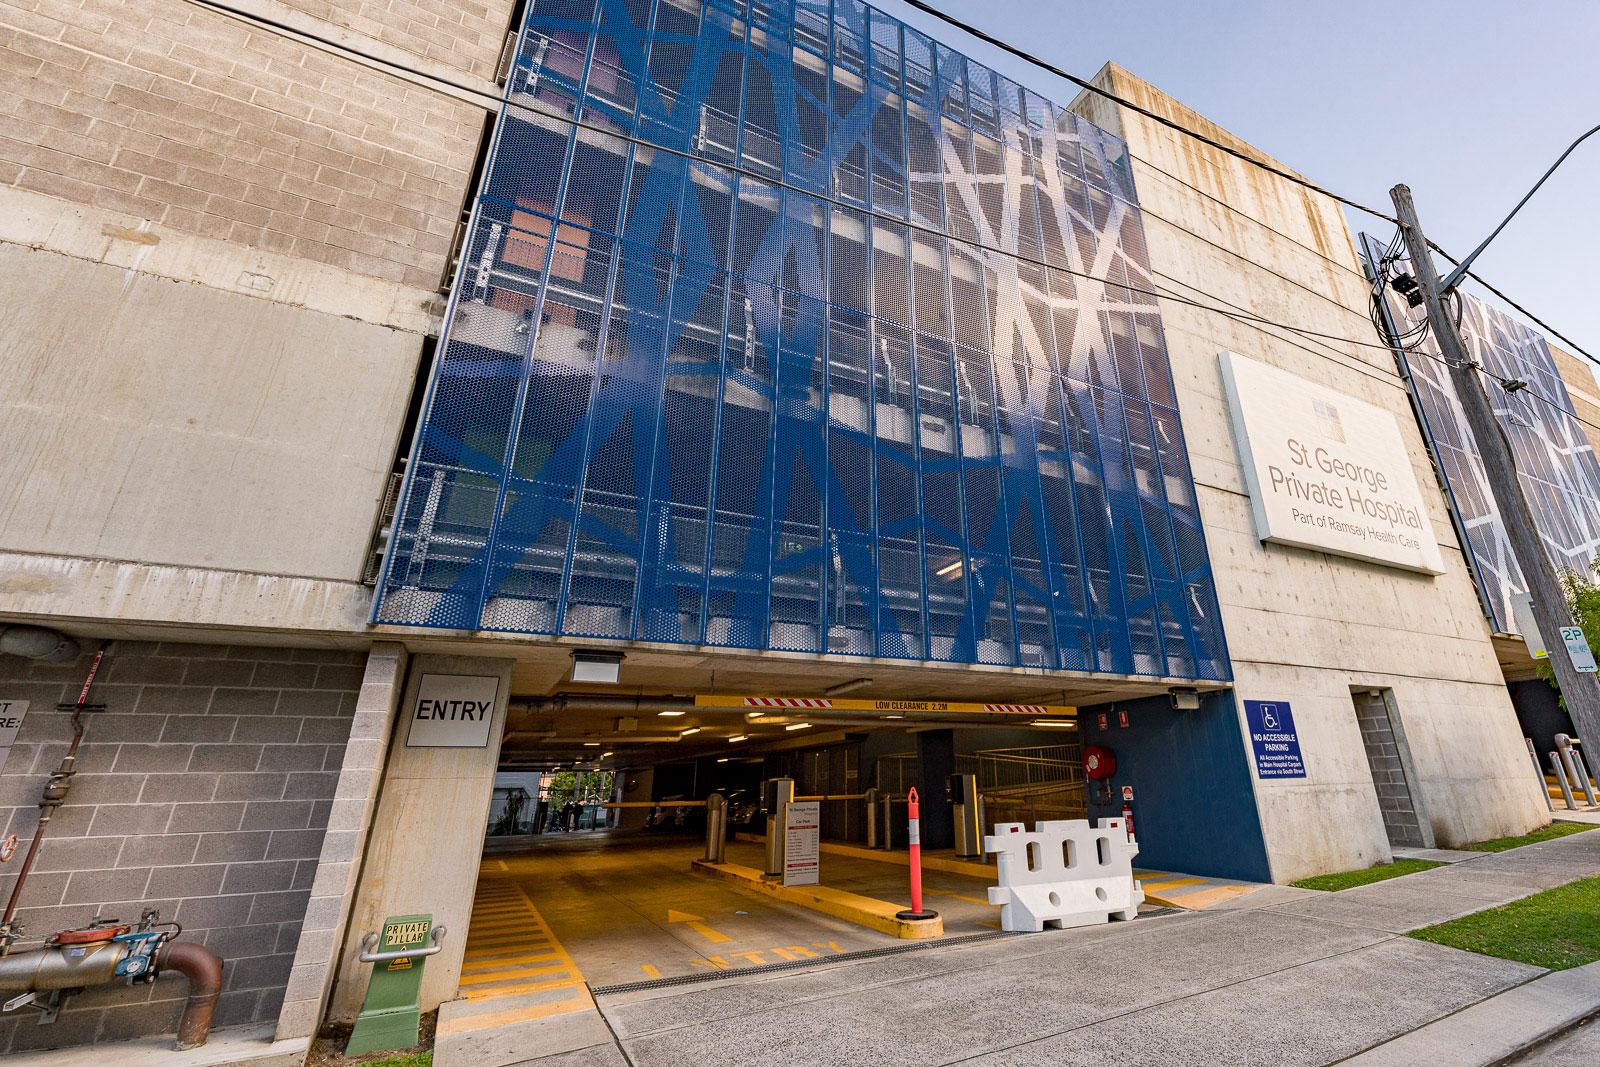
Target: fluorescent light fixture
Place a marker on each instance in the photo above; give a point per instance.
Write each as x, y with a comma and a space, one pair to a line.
723, 759
736, 740
947, 569
603, 755
596, 666
591, 744
894, 716
845, 687
798, 726
1058, 724
669, 714
690, 730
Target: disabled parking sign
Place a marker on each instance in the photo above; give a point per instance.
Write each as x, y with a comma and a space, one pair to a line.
1272, 736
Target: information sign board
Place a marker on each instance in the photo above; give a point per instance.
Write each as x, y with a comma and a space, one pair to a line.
1272, 736
802, 849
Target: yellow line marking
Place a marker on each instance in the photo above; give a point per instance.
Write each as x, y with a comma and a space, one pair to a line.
501, 963
693, 922
507, 975
1174, 883
581, 1002
649, 971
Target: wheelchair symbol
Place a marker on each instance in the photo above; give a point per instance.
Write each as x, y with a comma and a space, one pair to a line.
1269, 716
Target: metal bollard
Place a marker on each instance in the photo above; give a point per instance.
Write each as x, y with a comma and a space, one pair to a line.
1574, 771
1561, 776
716, 828
1581, 763
874, 831
1538, 772
886, 823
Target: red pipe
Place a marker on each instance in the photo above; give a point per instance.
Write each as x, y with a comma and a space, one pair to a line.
203, 968
913, 814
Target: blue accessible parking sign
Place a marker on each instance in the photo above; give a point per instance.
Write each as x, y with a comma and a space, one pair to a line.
1272, 735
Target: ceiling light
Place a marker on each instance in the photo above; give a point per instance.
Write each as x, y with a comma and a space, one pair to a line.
722, 759
741, 737
1061, 724
603, 755
894, 716
596, 666
669, 714
591, 744
845, 687
798, 726
947, 569
690, 730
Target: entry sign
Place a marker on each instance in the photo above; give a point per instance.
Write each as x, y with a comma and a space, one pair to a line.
802, 842
1272, 735
11, 713
453, 711
1578, 649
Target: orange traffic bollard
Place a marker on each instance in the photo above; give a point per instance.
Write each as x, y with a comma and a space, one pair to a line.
916, 911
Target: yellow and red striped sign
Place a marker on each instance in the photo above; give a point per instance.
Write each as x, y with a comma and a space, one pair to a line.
884, 707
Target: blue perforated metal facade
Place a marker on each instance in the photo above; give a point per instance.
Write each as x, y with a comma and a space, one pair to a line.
812, 336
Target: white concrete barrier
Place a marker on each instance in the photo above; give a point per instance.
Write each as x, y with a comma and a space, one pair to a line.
1065, 873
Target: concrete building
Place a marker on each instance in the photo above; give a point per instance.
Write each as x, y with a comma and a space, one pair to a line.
368, 357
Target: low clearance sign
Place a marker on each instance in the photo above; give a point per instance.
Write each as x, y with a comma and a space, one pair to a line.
1326, 471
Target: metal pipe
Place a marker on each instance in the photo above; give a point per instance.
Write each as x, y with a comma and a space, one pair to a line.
1538, 772
203, 969
1569, 757
52, 968
716, 829
1561, 776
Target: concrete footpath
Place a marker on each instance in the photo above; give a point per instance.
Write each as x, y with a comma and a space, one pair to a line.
1282, 976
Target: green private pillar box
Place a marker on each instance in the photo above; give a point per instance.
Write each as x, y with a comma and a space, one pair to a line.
390, 1017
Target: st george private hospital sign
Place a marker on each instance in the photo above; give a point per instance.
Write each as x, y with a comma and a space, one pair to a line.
1326, 471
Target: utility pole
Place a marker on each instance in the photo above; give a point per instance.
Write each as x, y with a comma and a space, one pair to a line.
1580, 691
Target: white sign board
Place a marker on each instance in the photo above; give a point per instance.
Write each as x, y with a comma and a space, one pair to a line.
11, 713
1326, 471
802, 842
1578, 649
453, 711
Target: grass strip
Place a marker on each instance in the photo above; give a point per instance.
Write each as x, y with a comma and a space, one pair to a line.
1332, 883
1548, 833
1558, 928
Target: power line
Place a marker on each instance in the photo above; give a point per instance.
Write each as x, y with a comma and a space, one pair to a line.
422, 79
1083, 83
431, 81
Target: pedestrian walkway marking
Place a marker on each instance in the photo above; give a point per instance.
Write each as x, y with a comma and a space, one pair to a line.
510, 949
1193, 892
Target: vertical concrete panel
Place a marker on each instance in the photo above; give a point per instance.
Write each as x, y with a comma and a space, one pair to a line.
426, 840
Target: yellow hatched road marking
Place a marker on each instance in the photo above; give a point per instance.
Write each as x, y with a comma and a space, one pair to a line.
500, 963
506, 934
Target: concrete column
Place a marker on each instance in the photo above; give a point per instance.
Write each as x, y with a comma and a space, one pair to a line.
355, 797
936, 755
426, 842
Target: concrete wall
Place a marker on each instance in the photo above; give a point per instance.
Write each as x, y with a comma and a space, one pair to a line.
203, 789
426, 840
1305, 626
176, 424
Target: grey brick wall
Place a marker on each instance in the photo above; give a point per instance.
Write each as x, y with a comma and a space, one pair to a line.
1388, 773
204, 790
165, 111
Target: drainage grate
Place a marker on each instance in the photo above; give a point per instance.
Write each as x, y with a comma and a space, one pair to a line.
794, 965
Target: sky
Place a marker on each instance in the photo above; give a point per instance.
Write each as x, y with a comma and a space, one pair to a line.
1467, 102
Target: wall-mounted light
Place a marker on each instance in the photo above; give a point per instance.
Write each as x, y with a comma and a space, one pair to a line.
596, 666
1184, 699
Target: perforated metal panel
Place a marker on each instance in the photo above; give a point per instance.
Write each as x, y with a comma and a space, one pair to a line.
792, 359
1557, 466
